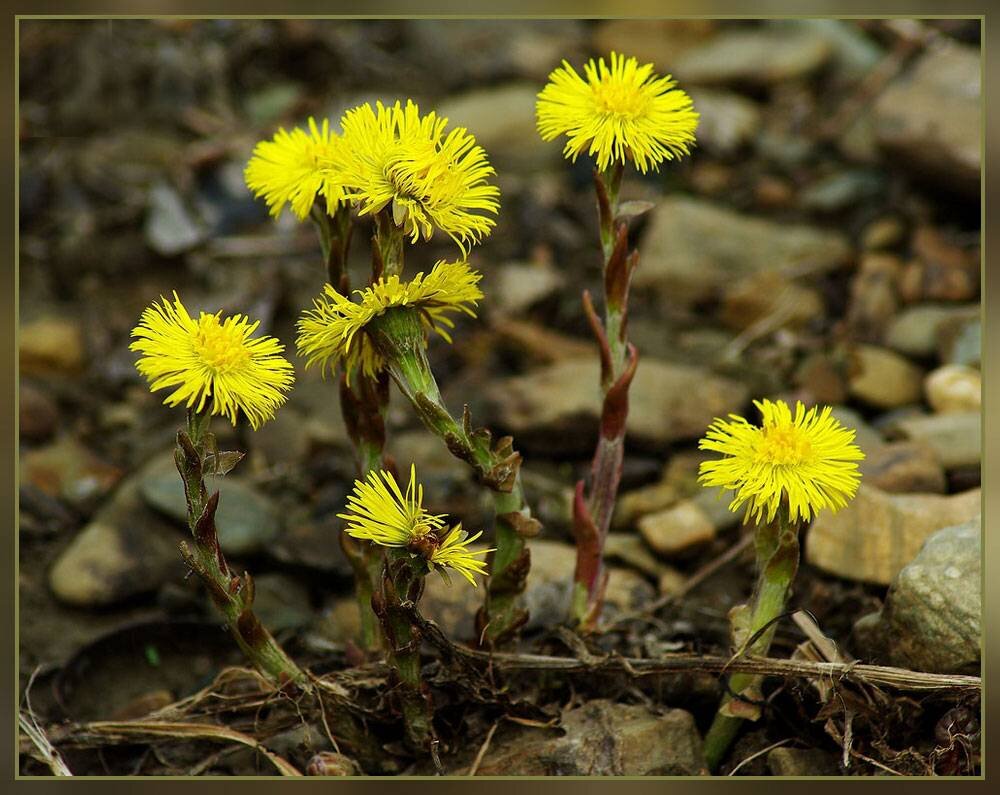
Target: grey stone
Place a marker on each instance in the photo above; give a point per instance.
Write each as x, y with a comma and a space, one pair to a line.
932, 617
760, 56
956, 438
686, 259
916, 331
170, 229
904, 467
800, 762
727, 121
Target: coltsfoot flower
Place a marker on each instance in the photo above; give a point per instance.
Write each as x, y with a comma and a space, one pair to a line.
294, 168
333, 332
394, 157
211, 359
625, 111
378, 511
809, 460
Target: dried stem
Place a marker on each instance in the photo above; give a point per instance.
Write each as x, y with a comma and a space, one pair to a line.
232, 593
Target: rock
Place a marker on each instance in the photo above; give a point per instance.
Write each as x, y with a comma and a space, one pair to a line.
903, 467
929, 117
884, 379
330, 763
312, 541
883, 233
955, 438
51, 345
170, 230
821, 378
247, 521
600, 738
942, 269
842, 189
38, 413
960, 341
678, 529
126, 550
656, 41
671, 581
68, 470
865, 436
917, 330
954, 387
561, 403
874, 297
801, 762
633, 505
759, 56
517, 286
855, 53
878, 533
727, 121
502, 118
281, 602
630, 549
686, 260
932, 617
769, 294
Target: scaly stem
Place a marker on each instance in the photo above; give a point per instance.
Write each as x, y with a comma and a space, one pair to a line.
592, 513
399, 337
232, 594
777, 547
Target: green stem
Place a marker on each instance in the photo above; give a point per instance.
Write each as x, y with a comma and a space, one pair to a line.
777, 546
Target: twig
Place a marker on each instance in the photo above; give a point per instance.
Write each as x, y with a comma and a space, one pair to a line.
46, 751
482, 750
759, 753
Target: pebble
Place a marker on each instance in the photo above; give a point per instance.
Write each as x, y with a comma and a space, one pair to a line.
170, 229
801, 762
600, 738
70, 471
917, 330
942, 270
38, 414
126, 550
954, 387
726, 122
878, 533
883, 378
769, 294
686, 260
656, 41
633, 505
558, 406
874, 297
281, 602
904, 468
247, 521
932, 617
51, 346
759, 56
960, 341
517, 286
928, 120
883, 233
677, 530
956, 437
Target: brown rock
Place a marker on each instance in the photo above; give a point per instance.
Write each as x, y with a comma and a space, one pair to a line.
884, 379
772, 295
677, 530
954, 387
68, 470
37, 413
633, 505
51, 345
659, 41
878, 533
874, 296
904, 467
941, 271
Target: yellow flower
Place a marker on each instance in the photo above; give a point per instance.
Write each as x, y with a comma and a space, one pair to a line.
378, 511
808, 460
294, 168
334, 331
618, 112
394, 157
211, 358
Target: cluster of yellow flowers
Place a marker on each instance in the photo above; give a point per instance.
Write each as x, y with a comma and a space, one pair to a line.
392, 159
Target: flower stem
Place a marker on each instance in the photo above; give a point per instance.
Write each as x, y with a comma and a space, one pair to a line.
399, 337
233, 594
777, 545
619, 359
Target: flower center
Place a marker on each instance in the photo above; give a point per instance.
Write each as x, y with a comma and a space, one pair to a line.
784, 446
620, 100
220, 347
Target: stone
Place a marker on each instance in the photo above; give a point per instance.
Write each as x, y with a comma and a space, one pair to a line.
801, 762
247, 521
929, 118
821, 378
960, 341
670, 582
726, 121
633, 505
677, 530
877, 534
126, 550
874, 297
281, 602
842, 189
771, 295
865, 436
170, 230
932, 617
657, 41
883, 378
956, 438
686, 259
600, 738
68, 470
904, 467
667, 402
516, 286
954, 387
502, 118
51, 346
38, 413
917, 330
882, 233
760, 56
628, 548
941, 270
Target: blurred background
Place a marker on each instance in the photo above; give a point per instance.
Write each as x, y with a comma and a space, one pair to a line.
822, 243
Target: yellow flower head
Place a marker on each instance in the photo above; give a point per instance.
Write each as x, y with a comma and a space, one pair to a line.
378, 511
294, 167
808, 460
394, 157
334, 330
211, 358
625, 111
